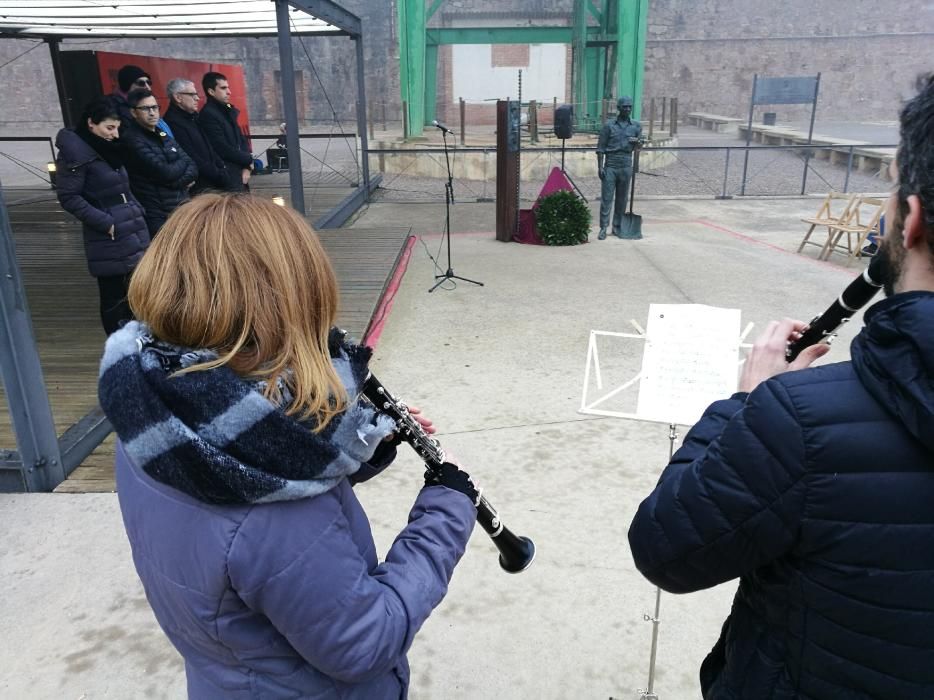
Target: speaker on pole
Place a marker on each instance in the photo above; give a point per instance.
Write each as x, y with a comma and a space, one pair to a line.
564, 121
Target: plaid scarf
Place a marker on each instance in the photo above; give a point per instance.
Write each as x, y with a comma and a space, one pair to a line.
214, 436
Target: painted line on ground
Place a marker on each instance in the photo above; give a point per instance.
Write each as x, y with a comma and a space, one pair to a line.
389, 295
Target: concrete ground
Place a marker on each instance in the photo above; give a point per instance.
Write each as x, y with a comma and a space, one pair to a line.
499, 368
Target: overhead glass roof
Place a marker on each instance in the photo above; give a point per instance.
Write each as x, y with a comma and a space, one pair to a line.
127, 18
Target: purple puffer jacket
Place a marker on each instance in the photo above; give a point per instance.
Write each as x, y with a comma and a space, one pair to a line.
288, 599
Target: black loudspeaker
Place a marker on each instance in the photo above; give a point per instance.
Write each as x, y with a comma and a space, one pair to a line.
564, 121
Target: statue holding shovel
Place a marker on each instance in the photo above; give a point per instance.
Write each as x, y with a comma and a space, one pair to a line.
618, 139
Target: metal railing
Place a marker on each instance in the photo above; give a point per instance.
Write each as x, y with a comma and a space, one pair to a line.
719, 172
24, 162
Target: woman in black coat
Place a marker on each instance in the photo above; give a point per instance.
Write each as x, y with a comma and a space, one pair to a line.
94, 187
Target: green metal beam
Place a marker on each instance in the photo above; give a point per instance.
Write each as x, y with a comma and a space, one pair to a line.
504, 35
606, 59
412, 62
633, 24
431, 83
596, 12
593, 71
434, 8
579, 57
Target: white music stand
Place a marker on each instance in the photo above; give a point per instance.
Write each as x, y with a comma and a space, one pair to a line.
690, 360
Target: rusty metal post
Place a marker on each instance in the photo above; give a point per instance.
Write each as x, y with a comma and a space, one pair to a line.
651, 118
463, 113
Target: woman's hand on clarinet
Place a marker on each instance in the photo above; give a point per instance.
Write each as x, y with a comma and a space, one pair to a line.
767, 357
451, 477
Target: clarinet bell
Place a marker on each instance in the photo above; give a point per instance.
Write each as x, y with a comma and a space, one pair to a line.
516, 553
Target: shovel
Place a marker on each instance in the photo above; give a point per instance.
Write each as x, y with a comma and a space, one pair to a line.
631, 226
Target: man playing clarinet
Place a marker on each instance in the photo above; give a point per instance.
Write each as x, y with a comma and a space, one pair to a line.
815, 488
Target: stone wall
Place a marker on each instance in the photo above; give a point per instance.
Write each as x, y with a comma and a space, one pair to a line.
868, 52
704, 52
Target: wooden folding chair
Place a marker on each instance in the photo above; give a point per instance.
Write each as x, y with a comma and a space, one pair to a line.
863, 220
835, 209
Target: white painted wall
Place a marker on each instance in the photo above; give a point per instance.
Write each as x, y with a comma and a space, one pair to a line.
476, 80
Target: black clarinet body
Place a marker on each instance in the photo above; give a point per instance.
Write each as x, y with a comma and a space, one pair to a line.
515, 553
856, 295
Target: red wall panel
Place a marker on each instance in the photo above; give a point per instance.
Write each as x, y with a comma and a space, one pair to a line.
162, 70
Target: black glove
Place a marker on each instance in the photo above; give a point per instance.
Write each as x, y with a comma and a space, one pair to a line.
453, 478
384, 454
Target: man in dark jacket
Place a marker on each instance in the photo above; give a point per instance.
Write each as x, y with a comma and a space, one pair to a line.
129, 78
160, 171
182, 116
816, 489
219, 121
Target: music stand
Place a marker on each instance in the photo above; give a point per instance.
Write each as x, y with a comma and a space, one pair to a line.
448, 201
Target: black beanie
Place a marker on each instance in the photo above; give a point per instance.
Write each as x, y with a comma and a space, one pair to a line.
129, 75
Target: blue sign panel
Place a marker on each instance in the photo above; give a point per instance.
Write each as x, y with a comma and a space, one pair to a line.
785, 91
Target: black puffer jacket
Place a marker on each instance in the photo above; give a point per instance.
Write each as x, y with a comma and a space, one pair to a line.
160, 171
219, 122
99, 196
212, 173
817, 491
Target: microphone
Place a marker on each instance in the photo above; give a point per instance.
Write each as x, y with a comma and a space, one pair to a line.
441, 126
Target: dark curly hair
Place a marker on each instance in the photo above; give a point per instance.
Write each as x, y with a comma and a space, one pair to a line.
915, 159
99, 109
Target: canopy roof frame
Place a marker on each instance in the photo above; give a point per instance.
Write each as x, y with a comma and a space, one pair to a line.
43, 459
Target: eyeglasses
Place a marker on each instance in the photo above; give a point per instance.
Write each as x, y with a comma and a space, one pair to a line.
190, 94
143, 81
148, 108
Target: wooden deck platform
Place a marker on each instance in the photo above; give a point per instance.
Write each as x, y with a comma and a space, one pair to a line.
63, 300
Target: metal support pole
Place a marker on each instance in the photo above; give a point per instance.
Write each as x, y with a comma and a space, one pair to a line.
463, 115
752, 109
651, 118
649, 692
726, 175
289, 104
361, 114
807, 155
63, 101
674, 117
40, 467
849, 169
664, 112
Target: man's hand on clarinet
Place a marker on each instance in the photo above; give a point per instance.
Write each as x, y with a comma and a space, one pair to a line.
767, 357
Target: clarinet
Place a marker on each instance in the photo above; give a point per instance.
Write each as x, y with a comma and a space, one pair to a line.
857, 294
515, 553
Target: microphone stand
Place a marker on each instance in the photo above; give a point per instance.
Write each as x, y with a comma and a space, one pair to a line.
448, 201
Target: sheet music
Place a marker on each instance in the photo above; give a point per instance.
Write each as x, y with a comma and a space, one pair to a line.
690, 360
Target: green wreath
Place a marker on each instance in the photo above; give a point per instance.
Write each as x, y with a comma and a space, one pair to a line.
562, 218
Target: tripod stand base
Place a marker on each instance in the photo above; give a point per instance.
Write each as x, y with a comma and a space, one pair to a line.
449, 275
